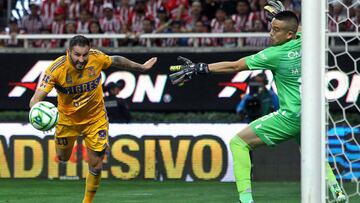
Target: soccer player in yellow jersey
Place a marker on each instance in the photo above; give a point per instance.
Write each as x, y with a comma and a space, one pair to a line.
76, 77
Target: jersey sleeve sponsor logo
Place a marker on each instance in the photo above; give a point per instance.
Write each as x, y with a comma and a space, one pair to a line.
81, 88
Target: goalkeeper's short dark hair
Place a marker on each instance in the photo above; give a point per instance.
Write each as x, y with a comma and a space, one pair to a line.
291, 19
79, 40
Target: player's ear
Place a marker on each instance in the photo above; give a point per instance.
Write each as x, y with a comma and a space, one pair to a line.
290, 35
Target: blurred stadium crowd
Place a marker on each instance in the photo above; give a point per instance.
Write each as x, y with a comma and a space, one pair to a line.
135, 17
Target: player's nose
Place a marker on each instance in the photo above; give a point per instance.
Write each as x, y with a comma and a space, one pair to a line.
81, 59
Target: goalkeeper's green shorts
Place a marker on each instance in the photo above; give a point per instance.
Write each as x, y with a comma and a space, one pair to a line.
277, 127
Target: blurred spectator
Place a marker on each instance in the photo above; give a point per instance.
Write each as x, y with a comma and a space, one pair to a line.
96, 9
195, 14
177, 9
117, 109
217, 23
162, 21
82, 24
13, 30
337, 15
33, 22
291, 5
338, 22
110, 23
242, 17
259, 101
75, 8
348, 4
356, 20
148, 27
94, 28
58, 25
45, 43
200, 42
258, 13
228, 41
124, 11
176, 27
259, 26
137, 17
355, 25
70, 28
47, 11
152, 6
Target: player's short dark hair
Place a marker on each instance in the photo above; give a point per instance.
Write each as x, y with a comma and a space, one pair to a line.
79, 40
291, 19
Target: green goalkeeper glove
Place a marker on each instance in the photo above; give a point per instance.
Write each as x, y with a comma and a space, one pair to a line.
272, 8
187, 70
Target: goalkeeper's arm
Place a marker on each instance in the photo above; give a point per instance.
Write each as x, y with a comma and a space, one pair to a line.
186, 71
228, 66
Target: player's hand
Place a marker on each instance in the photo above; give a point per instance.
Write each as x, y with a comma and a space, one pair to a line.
186, 71
272, 8
149, 63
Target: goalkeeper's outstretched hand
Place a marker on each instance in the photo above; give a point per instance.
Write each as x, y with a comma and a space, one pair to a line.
186, 71
272, 8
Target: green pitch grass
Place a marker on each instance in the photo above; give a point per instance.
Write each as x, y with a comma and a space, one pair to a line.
114, 191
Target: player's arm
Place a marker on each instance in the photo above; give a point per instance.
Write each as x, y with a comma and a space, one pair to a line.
228, 66
188, 69
39, 95
124, 63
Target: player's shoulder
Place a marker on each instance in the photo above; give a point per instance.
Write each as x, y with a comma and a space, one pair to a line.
96, 52
57, 64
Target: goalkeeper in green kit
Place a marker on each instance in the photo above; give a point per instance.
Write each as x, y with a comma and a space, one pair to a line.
283, 59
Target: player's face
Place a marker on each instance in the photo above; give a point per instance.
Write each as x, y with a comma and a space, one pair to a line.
279, 32
79, 56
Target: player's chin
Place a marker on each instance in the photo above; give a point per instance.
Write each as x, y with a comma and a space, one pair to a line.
79, 66
274, 43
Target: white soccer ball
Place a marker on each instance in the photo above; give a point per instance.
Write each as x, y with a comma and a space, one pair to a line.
44, 116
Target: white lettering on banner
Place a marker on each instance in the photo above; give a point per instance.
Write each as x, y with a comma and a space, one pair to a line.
332, 93
354, 89
342, 84
36, 71
144, 86
154, 92
129, 80
202, 136
242, 77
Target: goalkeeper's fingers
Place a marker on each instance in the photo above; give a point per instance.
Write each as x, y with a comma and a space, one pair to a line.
184, 60
177, 78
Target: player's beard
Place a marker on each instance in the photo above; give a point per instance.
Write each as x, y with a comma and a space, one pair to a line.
78, 65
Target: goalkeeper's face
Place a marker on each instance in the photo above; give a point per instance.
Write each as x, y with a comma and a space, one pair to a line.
79, 56
280, 32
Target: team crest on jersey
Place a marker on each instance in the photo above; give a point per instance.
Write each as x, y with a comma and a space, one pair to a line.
68, 78
91, 71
